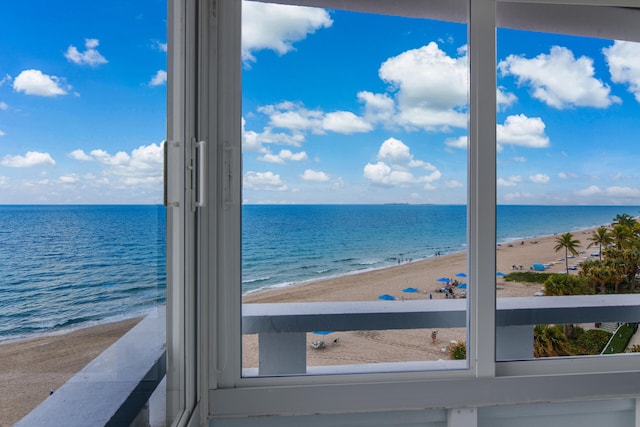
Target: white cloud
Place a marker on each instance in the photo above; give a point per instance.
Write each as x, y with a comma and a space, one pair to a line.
6, 79
504, 99
460, 142
35, 82
392, 169
90, 56
4, 181
80, 155
253, 141
283, 156
623, 59
69, 179
431, 87
31, 159
158, 79
2, 133
539, 178
520, 159
379, 108
263, 181
276, 27
559, 79
142, 167
315, 176
4, 106
294, 116
524, 131
345, 122
453, 184
517, 196
617, 192
590, 191
509, 181
158, 45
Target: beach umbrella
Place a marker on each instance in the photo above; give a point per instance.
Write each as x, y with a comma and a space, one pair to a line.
443, 279
500, 274
323, 332
386, 297
462, 286
537, 266
410, 290
461, 275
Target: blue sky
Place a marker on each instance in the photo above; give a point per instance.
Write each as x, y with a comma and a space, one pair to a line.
337, 108
353, 108
82, 101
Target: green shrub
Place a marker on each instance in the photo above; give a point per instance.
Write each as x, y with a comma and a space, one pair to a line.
561, 284
591, 342
527, 276
458, 351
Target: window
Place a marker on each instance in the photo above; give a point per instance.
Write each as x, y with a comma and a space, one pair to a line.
221, 319
354, 194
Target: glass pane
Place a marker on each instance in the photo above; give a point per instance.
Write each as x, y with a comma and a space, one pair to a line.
354, 189
82, 229
567, 194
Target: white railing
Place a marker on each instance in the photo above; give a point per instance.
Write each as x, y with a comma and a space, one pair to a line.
282, 328
115, 387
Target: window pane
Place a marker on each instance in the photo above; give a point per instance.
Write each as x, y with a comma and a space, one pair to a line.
354, 189
567, 194
82, 228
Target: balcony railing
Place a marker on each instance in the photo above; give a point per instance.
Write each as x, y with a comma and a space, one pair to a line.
114, 388
282, 328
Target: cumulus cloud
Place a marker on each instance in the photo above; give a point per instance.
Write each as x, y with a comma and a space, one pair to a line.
158, 79
267, 181
69, 179
35, 82
510, 181
80, 155
29, 160
276, 27
158, 45
460, 142
559, 79
524, 131
4, 106
345, 122
90, 56
2, 133
540, 178
623, 59
431, 87
379, 107
283, 156
314, 176
253, 141
142, 167
504, 99
394, 165
294, 116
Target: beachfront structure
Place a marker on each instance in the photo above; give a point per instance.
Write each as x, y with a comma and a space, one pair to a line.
205, 383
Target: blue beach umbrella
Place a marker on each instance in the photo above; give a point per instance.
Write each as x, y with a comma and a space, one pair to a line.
443, 279
386, 297
461, 275
500, 274
410, 290
323, 332
462, 286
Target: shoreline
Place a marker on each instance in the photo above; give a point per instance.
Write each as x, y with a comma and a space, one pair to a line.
356, 347
291, 285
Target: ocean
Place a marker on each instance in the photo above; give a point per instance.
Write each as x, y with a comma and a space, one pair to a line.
71, 266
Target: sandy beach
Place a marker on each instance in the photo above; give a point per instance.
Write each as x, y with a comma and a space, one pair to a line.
29, 369
408, 345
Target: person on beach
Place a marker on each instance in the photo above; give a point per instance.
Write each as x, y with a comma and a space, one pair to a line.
434, 336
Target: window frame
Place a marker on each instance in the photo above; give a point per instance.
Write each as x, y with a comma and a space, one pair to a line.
222, 392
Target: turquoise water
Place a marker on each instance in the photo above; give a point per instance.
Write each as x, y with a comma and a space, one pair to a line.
71, 266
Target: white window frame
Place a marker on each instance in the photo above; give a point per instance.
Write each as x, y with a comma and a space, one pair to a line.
209, 68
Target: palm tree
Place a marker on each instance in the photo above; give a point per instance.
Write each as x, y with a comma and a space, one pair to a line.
600, 237
621, 235
625, 219
569, 244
